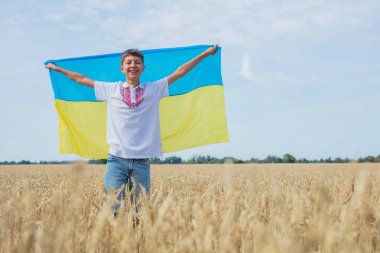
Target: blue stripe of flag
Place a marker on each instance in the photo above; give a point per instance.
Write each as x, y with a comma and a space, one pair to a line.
159, 63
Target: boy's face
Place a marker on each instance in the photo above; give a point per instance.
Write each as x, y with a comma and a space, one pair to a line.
132, 67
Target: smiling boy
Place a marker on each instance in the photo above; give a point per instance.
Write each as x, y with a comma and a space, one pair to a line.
133, 130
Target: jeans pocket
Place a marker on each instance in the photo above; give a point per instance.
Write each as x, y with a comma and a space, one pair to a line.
144, 162
112, 158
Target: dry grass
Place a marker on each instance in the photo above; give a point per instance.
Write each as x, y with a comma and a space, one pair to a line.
202, 208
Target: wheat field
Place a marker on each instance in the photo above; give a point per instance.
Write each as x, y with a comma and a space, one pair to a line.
194, 208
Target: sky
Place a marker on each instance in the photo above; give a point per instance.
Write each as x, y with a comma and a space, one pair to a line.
300, 76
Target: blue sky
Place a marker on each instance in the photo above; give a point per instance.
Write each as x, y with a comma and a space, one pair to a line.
300, 76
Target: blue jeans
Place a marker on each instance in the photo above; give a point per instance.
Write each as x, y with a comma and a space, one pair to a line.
121, 171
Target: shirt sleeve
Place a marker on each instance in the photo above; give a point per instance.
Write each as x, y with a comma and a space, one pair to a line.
104, 90
163, 87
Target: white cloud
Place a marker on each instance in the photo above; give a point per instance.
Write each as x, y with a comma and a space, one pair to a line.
241, 23
245, 70
16, 25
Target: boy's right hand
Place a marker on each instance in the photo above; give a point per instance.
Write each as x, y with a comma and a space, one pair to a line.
75, 76
51, 66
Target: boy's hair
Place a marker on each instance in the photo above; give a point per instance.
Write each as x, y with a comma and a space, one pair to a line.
134, 52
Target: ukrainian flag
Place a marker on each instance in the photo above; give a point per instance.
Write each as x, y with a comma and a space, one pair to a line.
193, 115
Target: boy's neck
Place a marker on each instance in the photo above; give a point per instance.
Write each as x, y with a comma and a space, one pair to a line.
134, 83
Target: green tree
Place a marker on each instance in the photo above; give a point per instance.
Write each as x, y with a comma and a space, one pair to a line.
272, 159
155, 160
173, 160
288, 158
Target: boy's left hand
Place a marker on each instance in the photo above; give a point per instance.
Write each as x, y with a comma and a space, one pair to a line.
212, 50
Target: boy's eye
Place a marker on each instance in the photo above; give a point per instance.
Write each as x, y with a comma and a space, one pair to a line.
130, 62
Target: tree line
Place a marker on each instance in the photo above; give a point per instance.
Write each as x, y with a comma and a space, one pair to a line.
206, 159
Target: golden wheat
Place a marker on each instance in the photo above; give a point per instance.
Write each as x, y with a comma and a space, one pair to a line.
194, 208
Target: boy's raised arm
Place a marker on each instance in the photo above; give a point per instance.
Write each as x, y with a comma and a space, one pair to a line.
76, 77
185, 68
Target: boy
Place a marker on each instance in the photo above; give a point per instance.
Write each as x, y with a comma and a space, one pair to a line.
133, 131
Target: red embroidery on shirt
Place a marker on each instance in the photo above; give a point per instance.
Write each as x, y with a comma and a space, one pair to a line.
133, 103
139, 96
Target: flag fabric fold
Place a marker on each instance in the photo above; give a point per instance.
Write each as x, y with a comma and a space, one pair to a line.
193, 114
